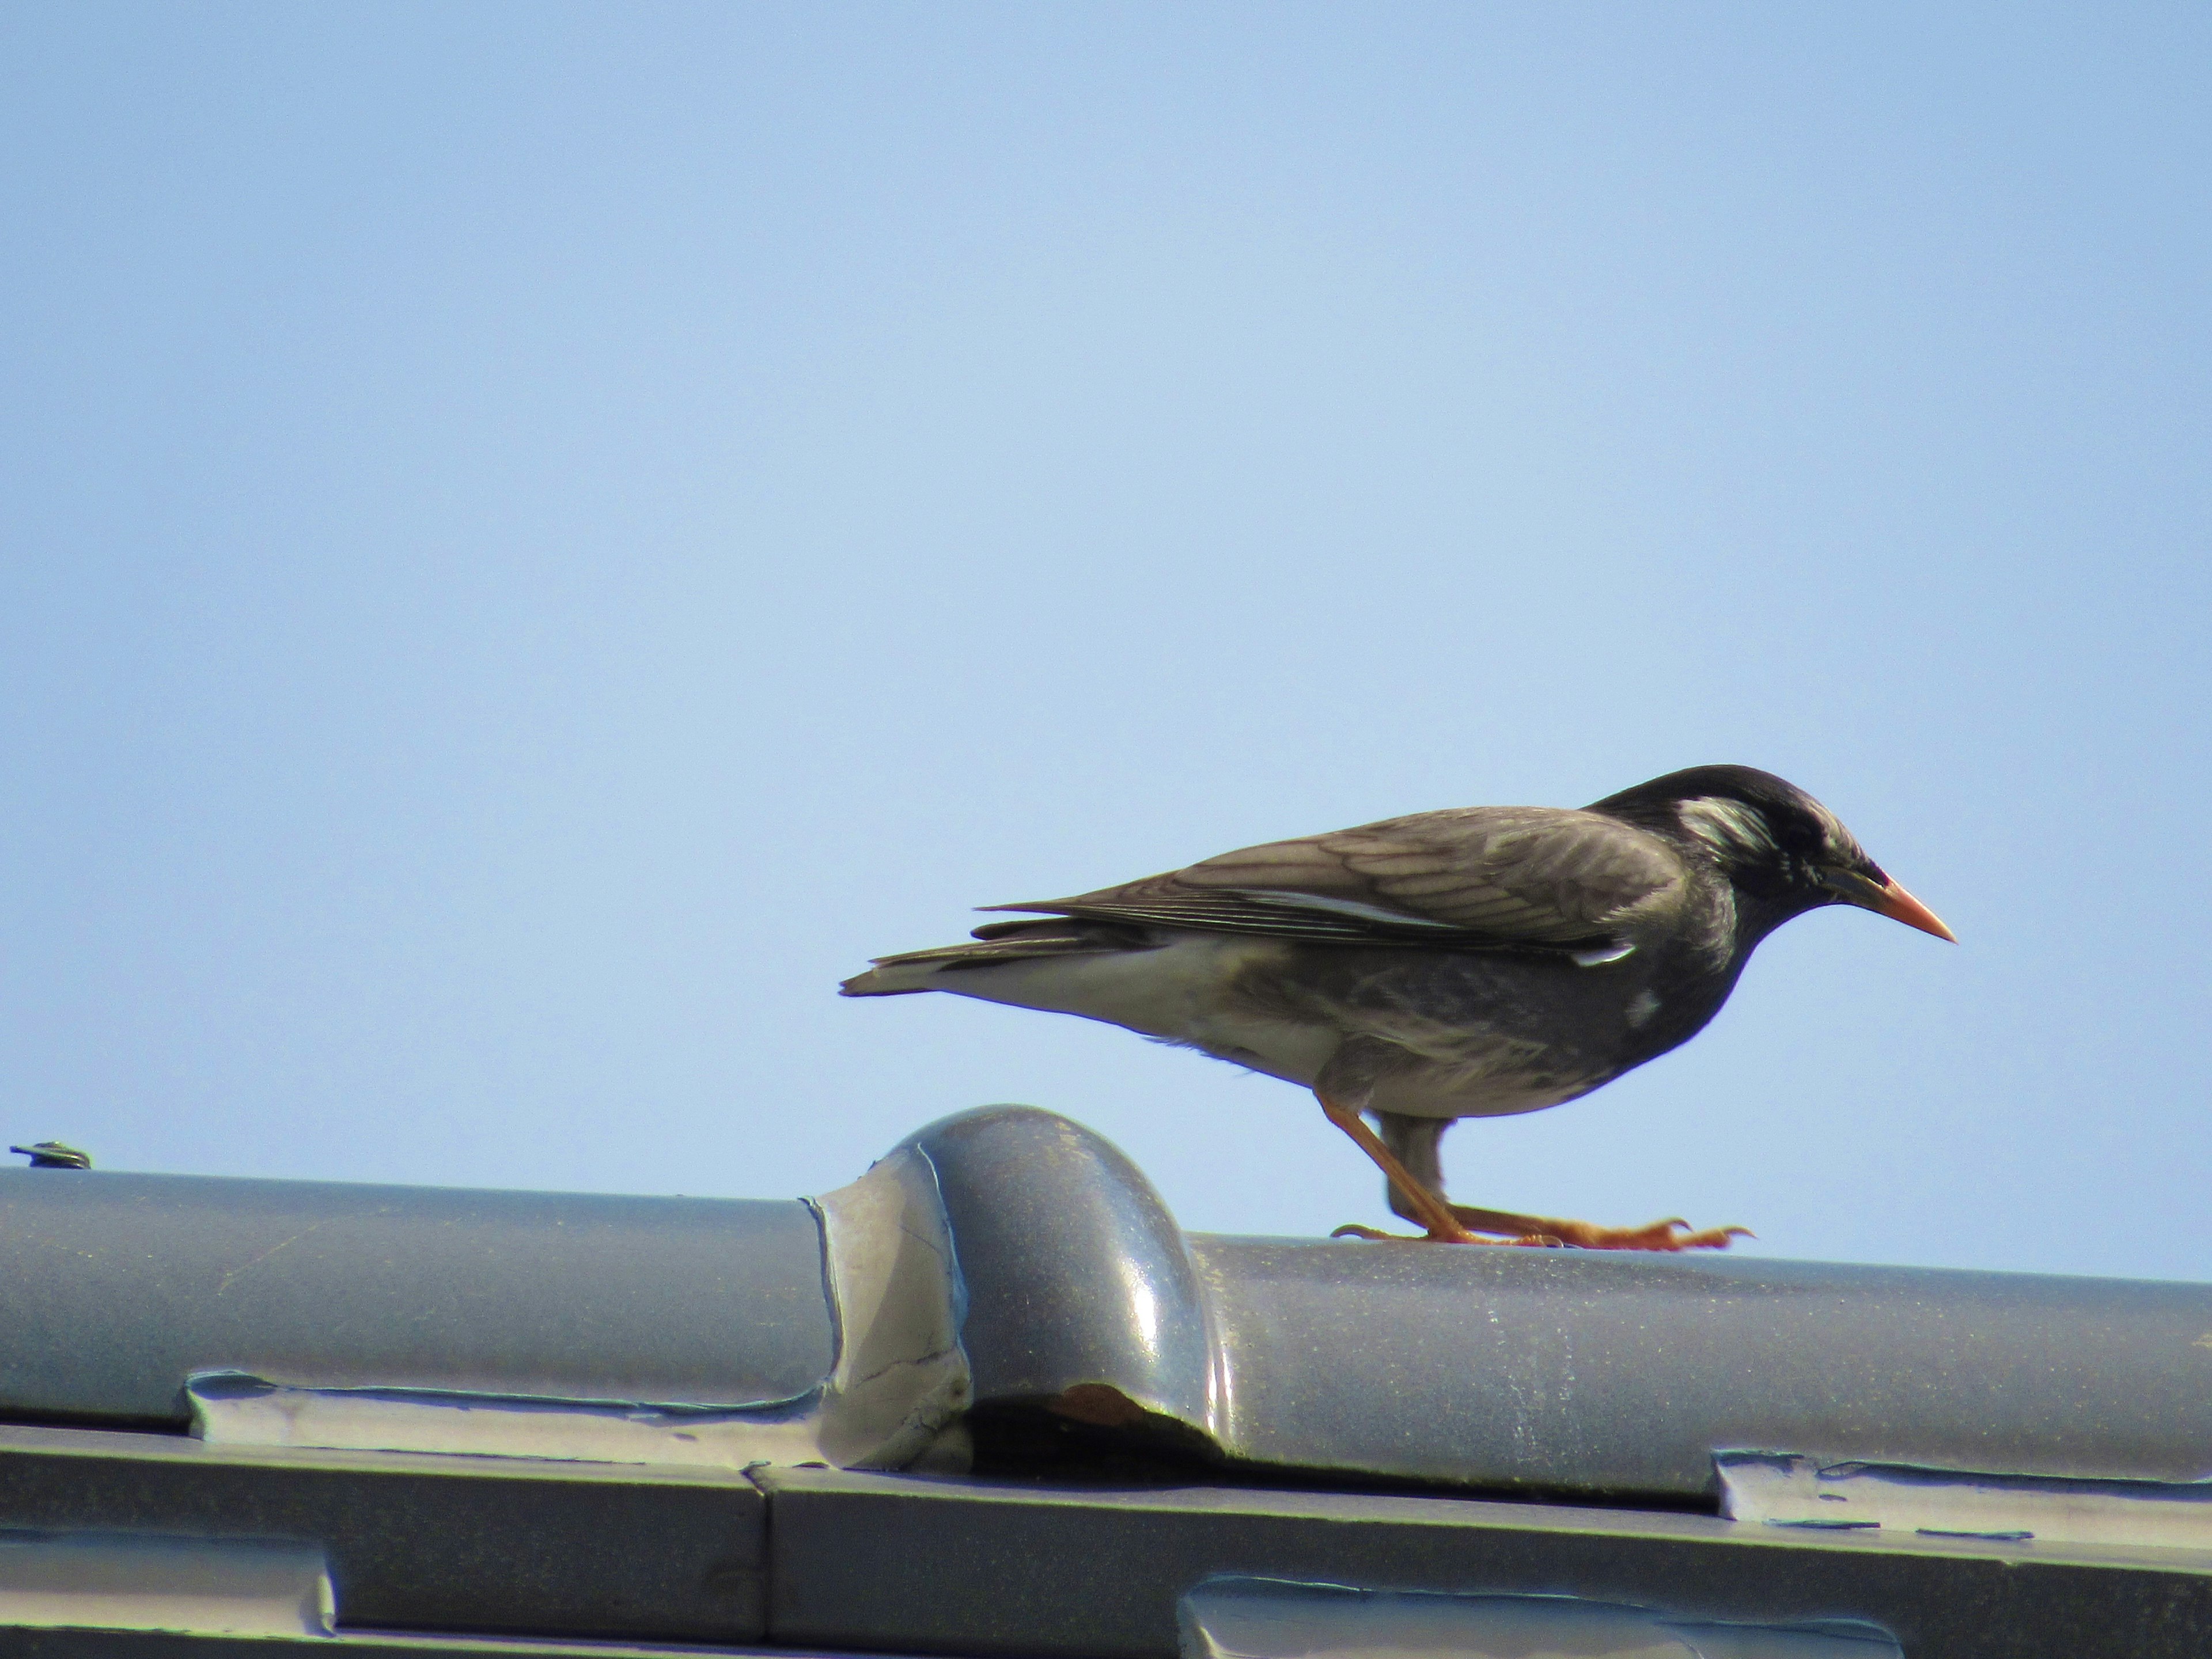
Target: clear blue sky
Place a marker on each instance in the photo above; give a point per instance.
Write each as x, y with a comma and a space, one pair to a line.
536, 539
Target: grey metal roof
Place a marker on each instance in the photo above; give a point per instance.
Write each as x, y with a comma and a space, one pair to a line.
1056, 1269
879, 1420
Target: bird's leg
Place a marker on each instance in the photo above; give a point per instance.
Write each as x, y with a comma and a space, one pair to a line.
1423, 1206
1583, 1235
1418, 1144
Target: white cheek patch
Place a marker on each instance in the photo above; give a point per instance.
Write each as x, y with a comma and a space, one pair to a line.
1729, 827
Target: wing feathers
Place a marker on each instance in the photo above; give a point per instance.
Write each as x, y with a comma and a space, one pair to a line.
1483, 878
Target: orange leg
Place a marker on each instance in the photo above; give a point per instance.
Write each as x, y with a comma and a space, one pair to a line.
1435, 1214
1459, 1223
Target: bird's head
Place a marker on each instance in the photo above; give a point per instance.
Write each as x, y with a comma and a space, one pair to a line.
1778, 848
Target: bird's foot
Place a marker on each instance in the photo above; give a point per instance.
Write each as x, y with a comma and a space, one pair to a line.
1674, 1234
1671, 1234
1354, 1229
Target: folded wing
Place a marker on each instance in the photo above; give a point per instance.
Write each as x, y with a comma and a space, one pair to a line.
1480, 877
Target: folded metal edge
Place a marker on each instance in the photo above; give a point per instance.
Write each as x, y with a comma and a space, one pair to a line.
143, 1582
1796, 1489
1250, 1618
901, 1380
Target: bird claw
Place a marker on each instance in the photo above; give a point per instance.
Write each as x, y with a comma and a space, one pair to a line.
1672, 1234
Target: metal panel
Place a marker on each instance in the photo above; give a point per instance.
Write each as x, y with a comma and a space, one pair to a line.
426, 1542
355, 1644
115, 1288
887, 1561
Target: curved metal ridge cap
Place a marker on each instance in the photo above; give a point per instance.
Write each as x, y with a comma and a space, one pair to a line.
115, 1288
1569, 1370
1075, 1273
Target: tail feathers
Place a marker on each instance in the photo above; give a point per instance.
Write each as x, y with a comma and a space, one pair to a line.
995, 943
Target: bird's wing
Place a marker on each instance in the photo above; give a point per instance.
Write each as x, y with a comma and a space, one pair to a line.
1481, 878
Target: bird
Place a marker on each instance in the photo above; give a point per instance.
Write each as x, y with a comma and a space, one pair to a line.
1475, 961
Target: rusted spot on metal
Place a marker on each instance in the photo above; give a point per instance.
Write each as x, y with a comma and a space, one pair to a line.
1099, 1404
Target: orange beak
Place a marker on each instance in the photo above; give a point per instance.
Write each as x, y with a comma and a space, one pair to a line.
1891, 901
1898, 905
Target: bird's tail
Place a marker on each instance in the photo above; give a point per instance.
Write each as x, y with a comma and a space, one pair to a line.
995, 943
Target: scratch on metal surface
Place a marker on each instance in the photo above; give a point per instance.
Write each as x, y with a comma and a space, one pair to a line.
908, 1229
934, 1357
251, 1262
